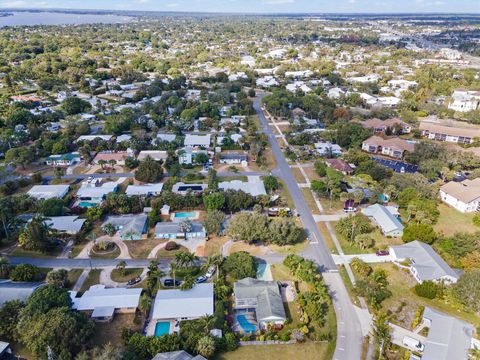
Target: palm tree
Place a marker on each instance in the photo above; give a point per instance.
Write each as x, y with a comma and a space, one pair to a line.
180, 259
102, 163
108, 229
145, 303
188, 283
173, 271
112, 163
129, 235
121, 266
190, 259
206, 322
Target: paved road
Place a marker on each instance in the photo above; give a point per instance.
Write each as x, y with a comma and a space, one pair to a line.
82, 263
349, 332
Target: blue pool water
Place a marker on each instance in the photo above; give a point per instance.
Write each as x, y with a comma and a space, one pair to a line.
162, 328
86, 204
246, 326
190, 214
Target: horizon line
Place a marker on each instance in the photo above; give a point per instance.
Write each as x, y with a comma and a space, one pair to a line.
238, 12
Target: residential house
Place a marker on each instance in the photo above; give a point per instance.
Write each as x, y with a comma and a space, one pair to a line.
65, 224
461, 135
64, 159
173, 230
335, 93
254, 186
267, 82
92, 192
234, 137
182, 188
261, 297
425, 263
176, 304
197, 140
157, 155
233, 158
328, 149
465, 101
144, 190
463, 196
177, 355
45, 192
6, 351
372, 78
123, 138
94, 137
166, 137
393, 147
12, 290
130, 226
105, 302
187, 155
381, 126
339, 165
107, 157
386, 218
447, 338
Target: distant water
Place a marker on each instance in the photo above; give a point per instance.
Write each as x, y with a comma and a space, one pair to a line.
22, 18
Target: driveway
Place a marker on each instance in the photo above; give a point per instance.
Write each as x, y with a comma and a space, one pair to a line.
398, 333
368, 258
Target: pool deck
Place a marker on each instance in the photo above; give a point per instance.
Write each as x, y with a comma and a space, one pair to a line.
195, 216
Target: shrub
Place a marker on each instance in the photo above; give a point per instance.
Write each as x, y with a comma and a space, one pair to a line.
427, 289
171, 245
24, 272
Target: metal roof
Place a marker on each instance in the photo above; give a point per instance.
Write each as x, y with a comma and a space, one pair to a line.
192, 303
71, 224
10, 290
429, 265
98, 296
128, 223
144, 189
448, 337
48, 191
254, 186
103, 311
384, 217
177, 355
174, 227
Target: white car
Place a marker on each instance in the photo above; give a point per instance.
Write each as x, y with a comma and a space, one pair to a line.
210, 272
413, 344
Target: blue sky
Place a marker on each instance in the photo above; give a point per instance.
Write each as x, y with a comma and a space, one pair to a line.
258, 6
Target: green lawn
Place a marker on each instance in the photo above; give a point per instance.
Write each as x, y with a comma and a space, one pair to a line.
452, 221
348, 285
130, 273
404, 301
73, 276
33, 254
111, 332
107, 255
305, 351
381, 243
93, 278
285, 195
162, 253
140, 249
307, 194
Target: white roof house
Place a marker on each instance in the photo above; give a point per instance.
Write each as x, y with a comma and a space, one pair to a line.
124, 137
12, 290
156, 155
386, 217
104, 301
92, 191
166, 137
191, 304
93, 137
426, 264
463, 196
448, 337
267, 81
254, 186
197, 140
44, 192
144, 190
66, 224
328, 149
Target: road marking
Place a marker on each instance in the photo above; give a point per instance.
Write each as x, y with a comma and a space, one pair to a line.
341, 349
342, 336
314, 242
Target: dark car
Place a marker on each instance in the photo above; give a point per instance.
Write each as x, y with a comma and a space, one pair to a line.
382, 253
171, 282
134, 281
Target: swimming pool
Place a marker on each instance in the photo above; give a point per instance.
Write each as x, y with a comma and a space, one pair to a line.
264, 273
246, 326
86, 204
184, 215
162, 328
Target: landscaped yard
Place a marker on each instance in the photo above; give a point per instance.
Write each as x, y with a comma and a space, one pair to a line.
111, 332
452, 221
381, 243
162, 253
129, 273
305, 351
73, 276
93, 278
289, 249
404, 301
251, 249
140, 249
107, 254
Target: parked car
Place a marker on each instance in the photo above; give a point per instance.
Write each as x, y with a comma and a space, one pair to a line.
171, 282
201, 279
382, 253
134, 281
413, 343
210, 272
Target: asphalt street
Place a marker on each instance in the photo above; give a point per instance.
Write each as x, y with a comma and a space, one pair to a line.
349, 332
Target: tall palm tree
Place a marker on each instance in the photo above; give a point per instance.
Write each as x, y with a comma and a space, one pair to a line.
173, 271
145, 303
121, 266
4, 267
215, 260
206, 322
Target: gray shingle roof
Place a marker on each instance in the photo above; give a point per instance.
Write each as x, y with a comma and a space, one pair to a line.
448, 337
429, 265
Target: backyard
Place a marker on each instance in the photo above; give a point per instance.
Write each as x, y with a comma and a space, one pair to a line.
304, 351
111, 332
452, 221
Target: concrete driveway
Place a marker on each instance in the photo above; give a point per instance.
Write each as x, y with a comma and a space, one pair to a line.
368, 258
398, 333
